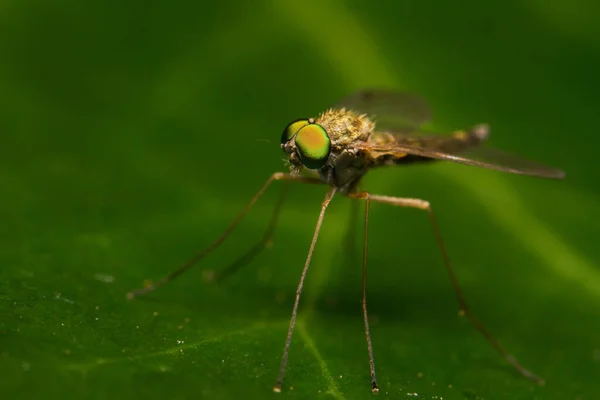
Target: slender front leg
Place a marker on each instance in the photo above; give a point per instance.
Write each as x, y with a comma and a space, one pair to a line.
277, 176
326, 201
464, 308
260, 246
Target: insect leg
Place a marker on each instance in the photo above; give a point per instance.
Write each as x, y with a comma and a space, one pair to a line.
464, 308
326, 201
367, 197
260, 246
277, 176
349, 241
374, 387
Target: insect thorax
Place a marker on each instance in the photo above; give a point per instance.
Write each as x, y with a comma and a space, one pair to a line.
347, 130
345, 127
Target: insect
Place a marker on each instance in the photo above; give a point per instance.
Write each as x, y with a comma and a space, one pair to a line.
368, 129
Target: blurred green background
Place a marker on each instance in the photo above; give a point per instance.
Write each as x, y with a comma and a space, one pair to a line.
133, 132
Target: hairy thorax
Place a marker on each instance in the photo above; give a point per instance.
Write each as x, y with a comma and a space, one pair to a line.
347, 130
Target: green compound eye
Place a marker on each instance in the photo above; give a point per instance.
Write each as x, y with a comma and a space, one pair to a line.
292, 129
314, 145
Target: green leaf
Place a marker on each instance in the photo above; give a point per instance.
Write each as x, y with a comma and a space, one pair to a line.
132, 136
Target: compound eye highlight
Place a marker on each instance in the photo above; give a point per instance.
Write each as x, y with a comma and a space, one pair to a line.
313, 145
292, 129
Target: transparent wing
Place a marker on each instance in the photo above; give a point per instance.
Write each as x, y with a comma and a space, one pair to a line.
502, 161
392, 111
398, 117
461, 147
